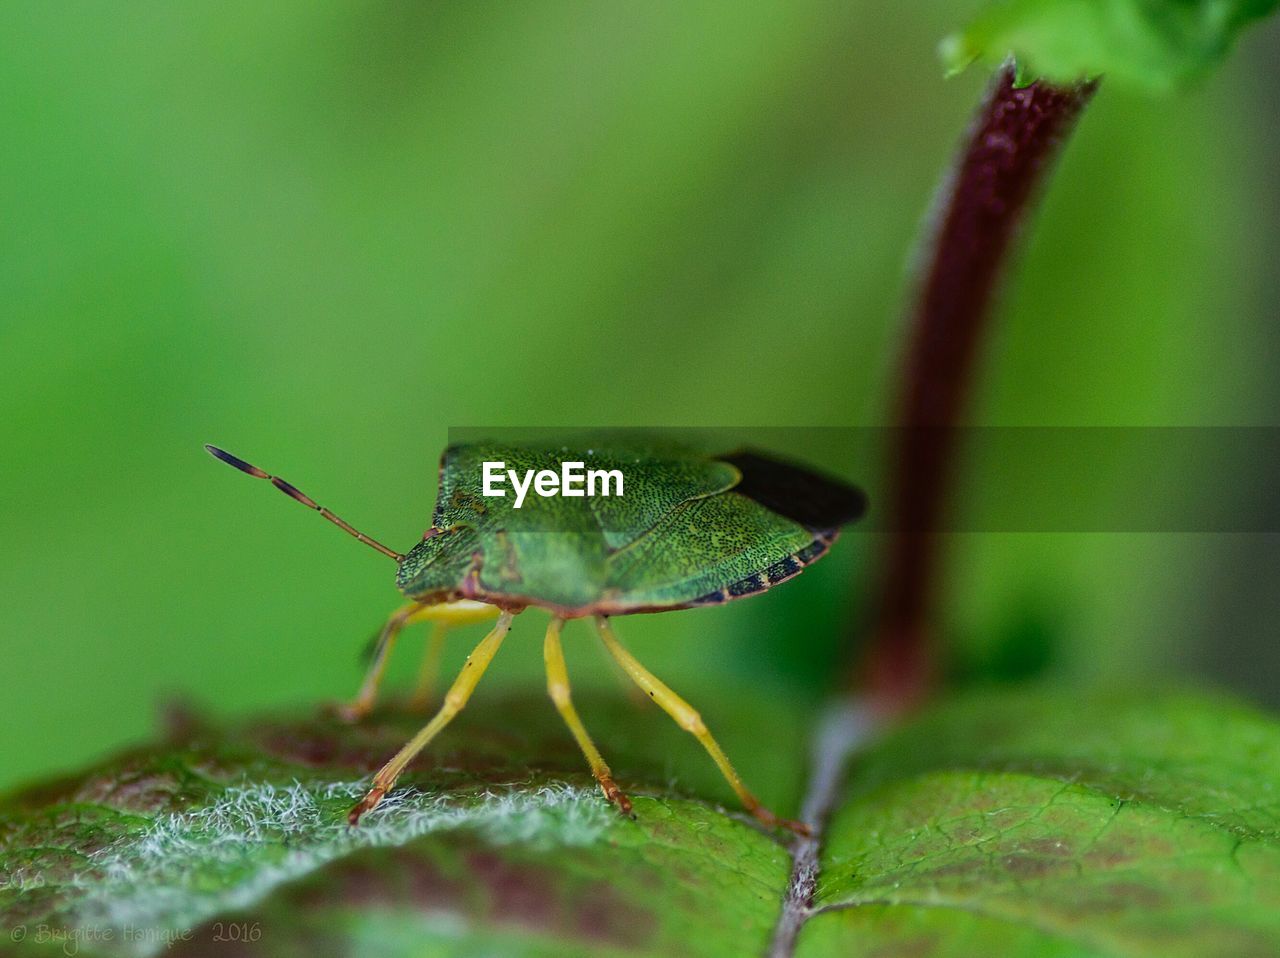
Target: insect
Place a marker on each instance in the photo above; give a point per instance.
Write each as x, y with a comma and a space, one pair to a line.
691, 530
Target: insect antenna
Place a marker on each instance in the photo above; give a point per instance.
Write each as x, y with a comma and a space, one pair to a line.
294, 493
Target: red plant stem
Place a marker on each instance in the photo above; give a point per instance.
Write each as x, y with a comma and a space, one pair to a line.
1010, 148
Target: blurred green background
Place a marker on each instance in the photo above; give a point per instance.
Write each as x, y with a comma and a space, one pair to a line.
322, 233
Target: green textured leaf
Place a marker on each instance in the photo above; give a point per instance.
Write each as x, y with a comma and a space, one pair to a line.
1061, 824
1029, 823
1156, 45
242, 832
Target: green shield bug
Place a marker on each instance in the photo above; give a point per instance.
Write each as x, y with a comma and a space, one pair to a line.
689, 530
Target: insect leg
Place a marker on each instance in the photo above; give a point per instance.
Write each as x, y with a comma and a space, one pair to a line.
558, 688
445, 616
364, 701
454, 701
430, 668
689, 720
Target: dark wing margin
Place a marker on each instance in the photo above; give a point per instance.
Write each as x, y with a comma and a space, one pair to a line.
817, 502
781, 571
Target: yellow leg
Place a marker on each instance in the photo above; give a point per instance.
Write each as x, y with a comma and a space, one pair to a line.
691, 722
444, 617
367, 697
454, 701
461, 612
445, 614
430, 669
558, 687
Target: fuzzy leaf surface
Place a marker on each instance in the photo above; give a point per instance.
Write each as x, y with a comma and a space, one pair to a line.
1027, 823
